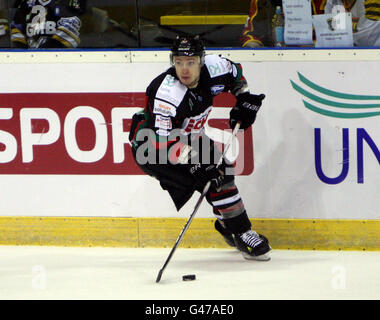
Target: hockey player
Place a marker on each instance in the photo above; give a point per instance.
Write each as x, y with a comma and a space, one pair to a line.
180, 100
47, 23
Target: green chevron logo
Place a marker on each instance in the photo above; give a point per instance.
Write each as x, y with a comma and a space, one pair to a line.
358, 110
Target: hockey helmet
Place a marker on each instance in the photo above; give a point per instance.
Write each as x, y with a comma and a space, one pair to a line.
188, 46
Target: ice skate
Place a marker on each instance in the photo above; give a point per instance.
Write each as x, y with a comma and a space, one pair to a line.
253, 246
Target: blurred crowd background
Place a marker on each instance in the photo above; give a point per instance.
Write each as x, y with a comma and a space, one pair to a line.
155, 23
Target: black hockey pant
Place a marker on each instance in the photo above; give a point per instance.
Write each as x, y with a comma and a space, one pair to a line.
227, 204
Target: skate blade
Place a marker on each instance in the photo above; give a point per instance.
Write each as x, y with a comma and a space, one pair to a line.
263, 257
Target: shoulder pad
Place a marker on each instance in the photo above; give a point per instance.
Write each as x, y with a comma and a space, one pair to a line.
171, 90
217, 65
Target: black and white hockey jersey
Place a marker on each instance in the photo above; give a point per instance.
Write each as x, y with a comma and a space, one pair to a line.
171, 105
47, 23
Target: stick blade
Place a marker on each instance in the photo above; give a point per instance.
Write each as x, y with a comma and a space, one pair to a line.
159, 275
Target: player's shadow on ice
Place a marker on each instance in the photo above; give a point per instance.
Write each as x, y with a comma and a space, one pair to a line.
232, 259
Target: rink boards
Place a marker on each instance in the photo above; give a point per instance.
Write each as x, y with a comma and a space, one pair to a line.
304, 234
308, 171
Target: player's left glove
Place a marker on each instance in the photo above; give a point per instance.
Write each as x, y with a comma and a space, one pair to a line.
245, 109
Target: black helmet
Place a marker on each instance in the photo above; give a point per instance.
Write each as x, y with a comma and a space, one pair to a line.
188, 46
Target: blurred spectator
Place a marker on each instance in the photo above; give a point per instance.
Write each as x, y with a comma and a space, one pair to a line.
365, 19
47, 23
3, 26
257, 31
4, 29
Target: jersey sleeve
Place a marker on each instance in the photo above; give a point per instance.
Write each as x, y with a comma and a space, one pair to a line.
225, 75
68, 25
67, 32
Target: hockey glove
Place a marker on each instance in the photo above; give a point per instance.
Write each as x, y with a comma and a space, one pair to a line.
245, 109
204, 173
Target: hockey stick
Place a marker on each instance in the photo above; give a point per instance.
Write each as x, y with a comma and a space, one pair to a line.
197, 205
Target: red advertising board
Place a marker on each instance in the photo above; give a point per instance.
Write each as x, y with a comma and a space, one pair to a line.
81, 133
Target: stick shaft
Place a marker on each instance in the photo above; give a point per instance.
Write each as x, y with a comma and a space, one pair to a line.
197, 205
181, 235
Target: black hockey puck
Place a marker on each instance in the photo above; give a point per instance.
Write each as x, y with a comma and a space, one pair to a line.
188, 277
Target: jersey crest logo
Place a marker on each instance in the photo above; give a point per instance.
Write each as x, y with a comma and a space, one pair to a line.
195, 124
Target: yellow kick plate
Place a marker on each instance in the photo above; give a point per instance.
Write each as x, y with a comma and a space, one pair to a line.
303, 234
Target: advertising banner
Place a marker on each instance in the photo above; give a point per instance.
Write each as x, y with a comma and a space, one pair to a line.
312, 153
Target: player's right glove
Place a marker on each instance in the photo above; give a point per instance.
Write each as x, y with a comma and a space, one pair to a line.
245, 109
204, 173
180, 153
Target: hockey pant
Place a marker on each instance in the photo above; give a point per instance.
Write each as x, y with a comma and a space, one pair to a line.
227, 204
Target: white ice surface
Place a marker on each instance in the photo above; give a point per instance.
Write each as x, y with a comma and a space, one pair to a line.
28, 272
